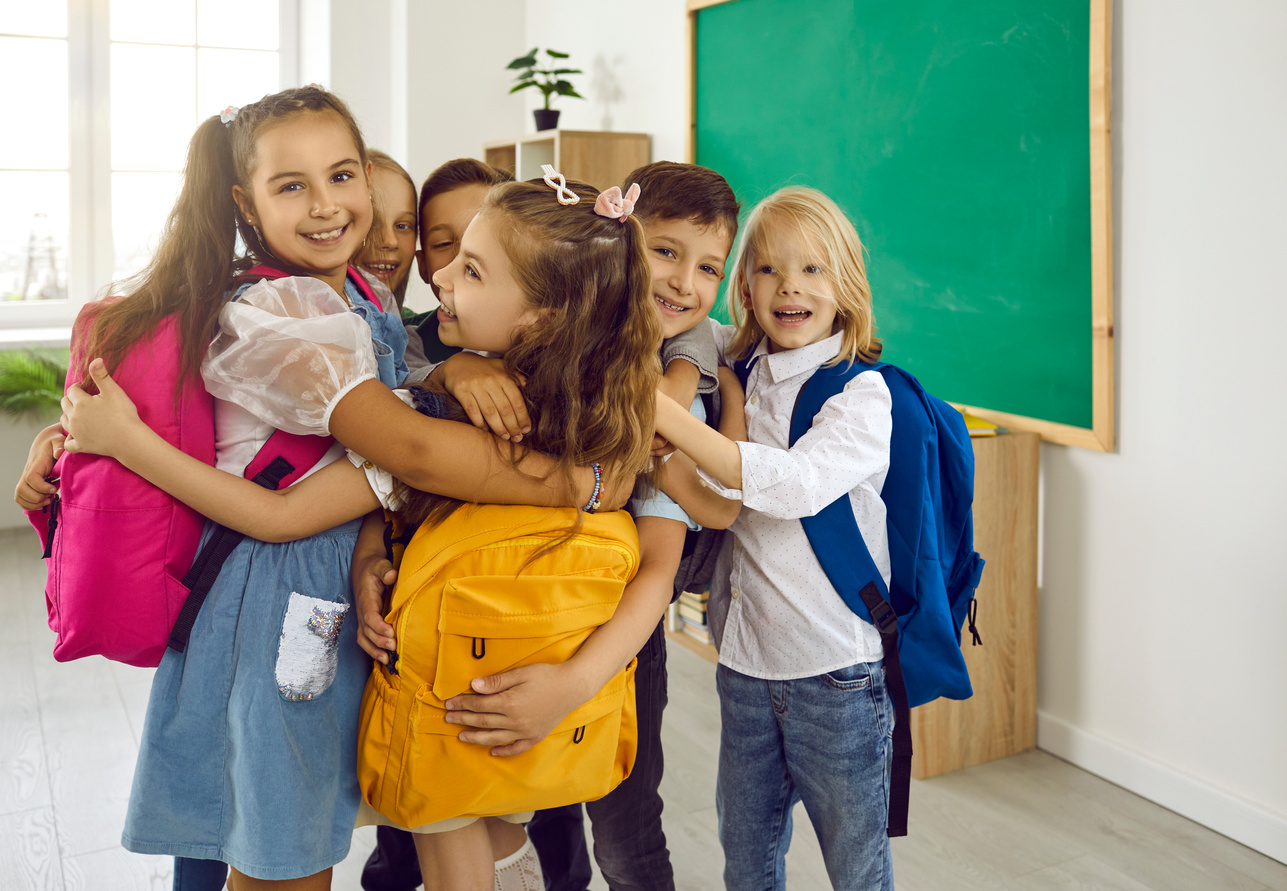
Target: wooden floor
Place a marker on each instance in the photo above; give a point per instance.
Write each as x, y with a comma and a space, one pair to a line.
69, 734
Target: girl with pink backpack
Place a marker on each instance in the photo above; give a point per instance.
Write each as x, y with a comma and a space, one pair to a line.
248, 751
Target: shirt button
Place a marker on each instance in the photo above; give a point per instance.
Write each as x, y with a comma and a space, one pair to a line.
755, 399
367, 464
736, 594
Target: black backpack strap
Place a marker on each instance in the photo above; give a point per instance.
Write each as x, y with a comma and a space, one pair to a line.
205, 568
900, 780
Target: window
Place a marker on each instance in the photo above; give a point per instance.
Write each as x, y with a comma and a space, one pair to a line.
103, 97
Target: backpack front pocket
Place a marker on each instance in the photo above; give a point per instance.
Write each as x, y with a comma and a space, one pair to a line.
489, 624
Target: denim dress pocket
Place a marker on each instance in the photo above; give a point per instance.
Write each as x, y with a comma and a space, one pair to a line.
308, 650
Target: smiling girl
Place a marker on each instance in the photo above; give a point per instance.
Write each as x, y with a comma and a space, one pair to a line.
391, 247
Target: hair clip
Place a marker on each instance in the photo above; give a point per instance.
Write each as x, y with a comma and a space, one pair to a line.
565, 195
611, 203
228, 115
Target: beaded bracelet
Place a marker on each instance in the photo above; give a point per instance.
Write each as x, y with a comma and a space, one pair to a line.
598, 489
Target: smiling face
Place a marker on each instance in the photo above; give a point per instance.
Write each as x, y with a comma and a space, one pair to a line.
687, 262
482, 304
790, 292
445, 218
309, 194
391, 250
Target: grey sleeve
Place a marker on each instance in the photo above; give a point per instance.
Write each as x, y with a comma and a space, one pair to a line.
697, 345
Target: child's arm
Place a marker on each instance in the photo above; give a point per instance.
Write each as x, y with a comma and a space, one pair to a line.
458, 460
492, 399
514, 710
109, 424
732, 401
372, 574
719, 457
679, 480
679, 381
846, 445
32, 492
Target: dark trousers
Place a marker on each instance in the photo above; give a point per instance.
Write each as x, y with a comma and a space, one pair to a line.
629, 844
199, 875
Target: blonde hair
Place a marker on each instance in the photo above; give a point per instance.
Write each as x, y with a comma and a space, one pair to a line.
383, 161
813, 218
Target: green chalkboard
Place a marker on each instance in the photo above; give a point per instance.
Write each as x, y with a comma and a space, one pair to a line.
958, 138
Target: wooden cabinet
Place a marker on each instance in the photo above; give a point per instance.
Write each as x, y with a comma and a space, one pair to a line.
1000, 719
601, 159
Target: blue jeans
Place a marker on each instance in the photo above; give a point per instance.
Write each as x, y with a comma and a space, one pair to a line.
824, 740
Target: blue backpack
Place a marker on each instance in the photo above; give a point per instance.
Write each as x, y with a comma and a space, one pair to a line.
934, 569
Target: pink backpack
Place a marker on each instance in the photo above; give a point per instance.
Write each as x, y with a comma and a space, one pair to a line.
120, 551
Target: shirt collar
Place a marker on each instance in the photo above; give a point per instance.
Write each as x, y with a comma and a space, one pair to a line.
788, 363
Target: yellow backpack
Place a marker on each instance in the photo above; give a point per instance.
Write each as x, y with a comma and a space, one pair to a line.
465, 606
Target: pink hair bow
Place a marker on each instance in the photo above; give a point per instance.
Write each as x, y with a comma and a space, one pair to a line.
611, 203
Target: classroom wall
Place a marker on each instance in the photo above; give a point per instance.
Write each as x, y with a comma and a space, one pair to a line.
634, 54
401, 66
1162, 603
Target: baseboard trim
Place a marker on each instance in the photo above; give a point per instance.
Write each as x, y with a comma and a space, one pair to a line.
1243, 821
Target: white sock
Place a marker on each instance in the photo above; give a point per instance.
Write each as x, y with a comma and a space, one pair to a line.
520, 871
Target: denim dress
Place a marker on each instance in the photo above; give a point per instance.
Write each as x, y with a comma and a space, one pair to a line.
248, 753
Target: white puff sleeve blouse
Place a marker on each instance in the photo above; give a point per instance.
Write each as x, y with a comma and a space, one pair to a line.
287, 351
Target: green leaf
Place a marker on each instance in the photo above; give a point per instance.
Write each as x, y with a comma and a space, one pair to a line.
30, 383
555, 54
527, 61
523, 86
558, 71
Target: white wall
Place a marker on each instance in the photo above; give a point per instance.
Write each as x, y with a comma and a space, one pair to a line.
635, 58
427, 80
1162, 615
1162, 608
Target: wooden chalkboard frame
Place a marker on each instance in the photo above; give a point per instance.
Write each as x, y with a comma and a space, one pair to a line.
1101, 435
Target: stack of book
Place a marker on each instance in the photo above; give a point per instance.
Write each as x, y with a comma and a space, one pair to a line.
691, 608
979, 427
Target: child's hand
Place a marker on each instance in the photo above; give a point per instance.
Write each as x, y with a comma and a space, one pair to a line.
106, 424
514, 710
33, 492
492, 399
371, 578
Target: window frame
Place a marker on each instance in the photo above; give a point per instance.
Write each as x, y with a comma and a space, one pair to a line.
90, 255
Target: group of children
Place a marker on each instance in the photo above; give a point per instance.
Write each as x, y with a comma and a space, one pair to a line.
572, 335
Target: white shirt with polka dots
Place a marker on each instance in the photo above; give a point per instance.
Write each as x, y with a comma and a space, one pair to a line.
773, 611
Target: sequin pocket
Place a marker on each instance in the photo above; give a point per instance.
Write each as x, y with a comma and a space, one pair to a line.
308, 651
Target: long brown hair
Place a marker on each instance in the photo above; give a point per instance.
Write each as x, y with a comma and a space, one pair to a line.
197, 254
590, 360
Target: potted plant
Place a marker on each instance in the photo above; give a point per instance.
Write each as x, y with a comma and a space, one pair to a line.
31, 384
549, 80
